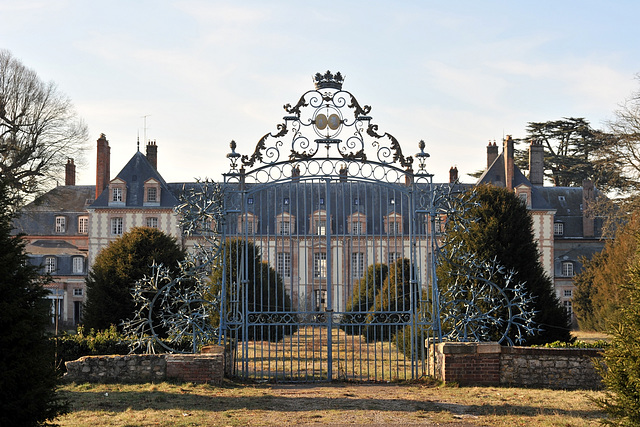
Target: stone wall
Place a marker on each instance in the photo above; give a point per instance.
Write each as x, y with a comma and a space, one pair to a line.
493, 364
139, 368
565, 368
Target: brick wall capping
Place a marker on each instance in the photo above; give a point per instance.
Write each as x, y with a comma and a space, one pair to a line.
469, 347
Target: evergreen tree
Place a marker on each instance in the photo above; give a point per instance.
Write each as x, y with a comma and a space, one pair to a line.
264, 291
116, 269
28, 374
395, 296
601, 285
501, 228
364, 296
621, 373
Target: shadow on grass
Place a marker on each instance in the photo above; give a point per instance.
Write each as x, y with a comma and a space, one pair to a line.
192, 400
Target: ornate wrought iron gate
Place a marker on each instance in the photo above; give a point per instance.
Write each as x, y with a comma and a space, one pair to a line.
328, 268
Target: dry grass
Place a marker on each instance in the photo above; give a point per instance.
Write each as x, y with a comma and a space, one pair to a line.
166, 404
304, 357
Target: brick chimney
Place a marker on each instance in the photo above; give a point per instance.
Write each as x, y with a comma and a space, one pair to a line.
70, 173
453, 175
509, 163
536, 163
103, 165
152, 154
492, 153
588, 199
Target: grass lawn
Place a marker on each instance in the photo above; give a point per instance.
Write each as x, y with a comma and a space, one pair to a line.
167, 404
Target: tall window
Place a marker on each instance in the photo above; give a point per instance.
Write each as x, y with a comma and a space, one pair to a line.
567, 269
283, 264
83, 224
152, 222
78, 265
116, 194
321, 227
394, 227
357, 264
152, 194
50, 264
285, 227
61, 224
558, 228
568, 307
320, 264
356, 227
116, 226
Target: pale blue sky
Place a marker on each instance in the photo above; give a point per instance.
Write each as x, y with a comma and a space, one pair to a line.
454, 73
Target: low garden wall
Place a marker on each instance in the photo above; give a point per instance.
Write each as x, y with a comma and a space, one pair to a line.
493, 364
139, 368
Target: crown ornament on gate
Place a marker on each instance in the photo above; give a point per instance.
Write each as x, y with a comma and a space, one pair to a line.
328, 80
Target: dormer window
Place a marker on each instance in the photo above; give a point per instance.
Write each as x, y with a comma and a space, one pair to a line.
285, 224
50, 264
319, 223
61, 224
151, 192
357, 223
567, 269
393, 223
117, 192
558, 228
83, 225
247, 223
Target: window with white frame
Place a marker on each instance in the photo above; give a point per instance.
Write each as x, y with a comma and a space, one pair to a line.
567, 269
321, 227
83, 225
568, 293
558, 228
152, 222
50, 264
357, 264
568, 306
357, 227
77, 292
394, 227
152, 194
78, 264
247, 223
116, 194
61, 224
320, 264
285, 227
283, 264
116, 226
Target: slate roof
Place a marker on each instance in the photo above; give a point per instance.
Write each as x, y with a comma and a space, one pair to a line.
37, 218
495, 175
135, 173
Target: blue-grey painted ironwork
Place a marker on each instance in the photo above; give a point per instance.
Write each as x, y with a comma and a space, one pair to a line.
181, 306
326, 241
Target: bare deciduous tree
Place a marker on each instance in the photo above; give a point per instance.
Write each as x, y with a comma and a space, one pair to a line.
626, 127
39, 129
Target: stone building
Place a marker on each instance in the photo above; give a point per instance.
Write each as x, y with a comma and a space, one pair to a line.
566, 230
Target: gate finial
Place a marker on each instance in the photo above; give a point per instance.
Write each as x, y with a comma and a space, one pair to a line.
328, 80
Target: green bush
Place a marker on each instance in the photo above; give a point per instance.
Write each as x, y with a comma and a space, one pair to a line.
575, 344
109, 341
